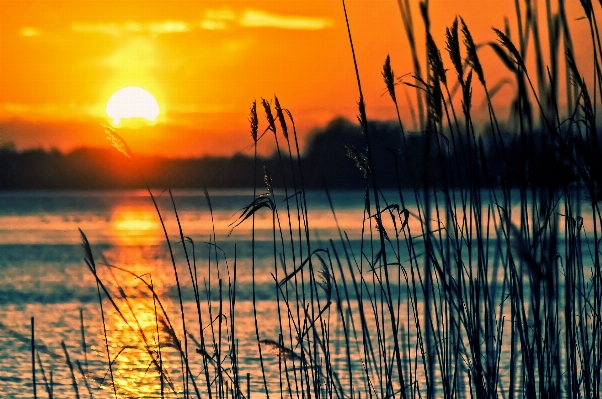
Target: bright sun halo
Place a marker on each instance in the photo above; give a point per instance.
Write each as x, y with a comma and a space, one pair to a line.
132, 102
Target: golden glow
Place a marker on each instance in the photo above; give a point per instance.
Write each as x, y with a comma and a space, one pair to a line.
132, 102
136, 226
204, 65
136, 368
140, 339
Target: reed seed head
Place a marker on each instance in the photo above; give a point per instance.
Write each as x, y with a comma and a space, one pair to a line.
326, 282
467, 94
508, 45
434, 59
453, 48
281, 118
268, 180
254, 121
117, 142
362, 118
282, 351
434, 98
575, 75
472, 58
360, 159
268, 113
389, 78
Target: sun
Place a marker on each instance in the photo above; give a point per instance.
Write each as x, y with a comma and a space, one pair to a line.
132, 102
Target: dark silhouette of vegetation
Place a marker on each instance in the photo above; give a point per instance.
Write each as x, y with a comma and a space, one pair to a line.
328, 161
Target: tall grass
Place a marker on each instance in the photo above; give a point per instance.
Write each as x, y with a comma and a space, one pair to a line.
485, 283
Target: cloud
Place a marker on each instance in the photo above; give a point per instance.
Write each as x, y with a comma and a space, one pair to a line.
107, 29
217, 19
210, 24
168, 27
45, 111
29, 31
115, 29
224, 14
258, 18
213, 20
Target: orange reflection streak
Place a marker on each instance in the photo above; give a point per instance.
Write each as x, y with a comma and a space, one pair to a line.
136, 226
142, 343
139, 337
135, 369
144, 347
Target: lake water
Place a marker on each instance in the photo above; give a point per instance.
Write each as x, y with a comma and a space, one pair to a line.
43, 275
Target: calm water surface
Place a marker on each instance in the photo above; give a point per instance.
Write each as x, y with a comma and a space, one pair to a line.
43, 275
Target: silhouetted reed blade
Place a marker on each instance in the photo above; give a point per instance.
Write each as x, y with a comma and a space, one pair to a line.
478, 277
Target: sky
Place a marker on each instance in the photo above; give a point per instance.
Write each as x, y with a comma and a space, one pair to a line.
205, 62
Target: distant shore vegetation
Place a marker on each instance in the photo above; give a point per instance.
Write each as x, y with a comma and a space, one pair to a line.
329, 161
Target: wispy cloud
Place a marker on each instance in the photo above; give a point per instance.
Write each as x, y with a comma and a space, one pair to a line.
169, 27
258, 18
29, 31
210, 24
46, 111
217, 19
107, 28
115, 29
223, 14
214, 19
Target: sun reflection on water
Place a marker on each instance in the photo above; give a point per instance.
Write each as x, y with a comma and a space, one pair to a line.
139, 335
137, 362
136, 226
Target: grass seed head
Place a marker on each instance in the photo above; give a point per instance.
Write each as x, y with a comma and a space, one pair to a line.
268, 180
508, 45
434, 59
268, 113
281, 118
434, 99
575, 75
472, 58
282, 351
117, 142
467, 94
326, 282
362, 118
360, 159
453, 48
389, 78
254, 121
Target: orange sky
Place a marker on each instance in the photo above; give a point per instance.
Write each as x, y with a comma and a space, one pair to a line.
205, 62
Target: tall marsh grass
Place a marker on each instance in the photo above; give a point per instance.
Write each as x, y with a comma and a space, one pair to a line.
486, 284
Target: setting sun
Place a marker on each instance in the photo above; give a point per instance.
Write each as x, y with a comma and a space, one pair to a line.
132, 102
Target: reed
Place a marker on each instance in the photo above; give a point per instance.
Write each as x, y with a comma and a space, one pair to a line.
483, 280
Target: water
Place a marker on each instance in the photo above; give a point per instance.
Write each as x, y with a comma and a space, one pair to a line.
43, 275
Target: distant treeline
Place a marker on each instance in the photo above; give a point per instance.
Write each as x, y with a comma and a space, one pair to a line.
333, 157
